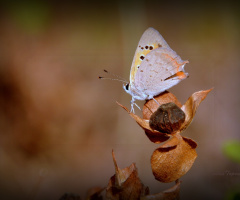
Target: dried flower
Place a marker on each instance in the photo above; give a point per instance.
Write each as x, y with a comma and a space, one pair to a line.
125, 184
161, 124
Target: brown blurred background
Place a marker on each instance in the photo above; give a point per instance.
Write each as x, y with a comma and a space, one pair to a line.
59, 122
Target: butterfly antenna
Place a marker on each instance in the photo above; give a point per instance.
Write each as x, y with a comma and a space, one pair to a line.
113, 79
119, 77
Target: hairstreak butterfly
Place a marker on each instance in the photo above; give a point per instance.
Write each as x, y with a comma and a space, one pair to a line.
155, 68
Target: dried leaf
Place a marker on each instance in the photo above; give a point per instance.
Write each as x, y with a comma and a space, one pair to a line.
153, 135
125, 184
151, 106
190, 107
121, 175
170, 163
143, 123
172, 193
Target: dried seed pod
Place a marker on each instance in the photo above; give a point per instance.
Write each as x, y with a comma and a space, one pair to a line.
168, 118
151, 106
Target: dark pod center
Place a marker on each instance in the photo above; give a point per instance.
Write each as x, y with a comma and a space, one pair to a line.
167, 118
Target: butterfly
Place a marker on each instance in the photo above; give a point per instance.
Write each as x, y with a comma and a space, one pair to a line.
155, 68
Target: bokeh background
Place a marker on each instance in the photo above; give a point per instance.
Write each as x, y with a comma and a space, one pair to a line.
59, 122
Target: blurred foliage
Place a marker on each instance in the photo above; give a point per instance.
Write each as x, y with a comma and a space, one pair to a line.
31, 16
232, 150
233, 194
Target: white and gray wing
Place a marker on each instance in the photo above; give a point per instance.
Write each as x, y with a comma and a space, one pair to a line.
150, 40
160, 70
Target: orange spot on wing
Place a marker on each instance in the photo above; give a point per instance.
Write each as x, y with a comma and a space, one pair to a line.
181, 75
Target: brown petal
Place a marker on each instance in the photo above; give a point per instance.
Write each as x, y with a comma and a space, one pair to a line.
151, 106
173, 141
143, 123
170, 163
125, 184
172, 193
154, 136
190, 107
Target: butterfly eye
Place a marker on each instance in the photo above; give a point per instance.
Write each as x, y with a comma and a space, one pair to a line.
127, 86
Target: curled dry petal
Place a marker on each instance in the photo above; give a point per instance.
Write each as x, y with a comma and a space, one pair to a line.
171, 142
191, 105
170, 163
121, 175
153, 135
143, 123
172, 193
125, 184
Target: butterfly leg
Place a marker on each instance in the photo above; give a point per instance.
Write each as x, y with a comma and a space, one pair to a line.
132, 105
137, 106
156, 101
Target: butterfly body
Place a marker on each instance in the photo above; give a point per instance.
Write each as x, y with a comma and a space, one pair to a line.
155, 68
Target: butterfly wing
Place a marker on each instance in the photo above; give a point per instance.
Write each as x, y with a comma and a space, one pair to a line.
161, 69
150, 40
